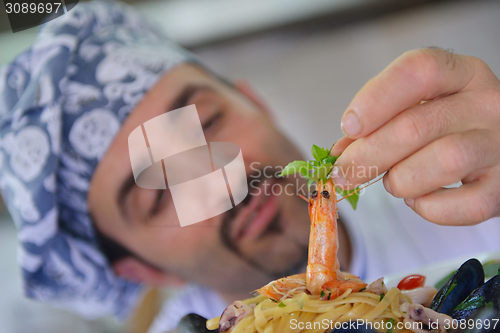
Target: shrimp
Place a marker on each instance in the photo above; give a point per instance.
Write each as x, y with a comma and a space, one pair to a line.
323, 273
284, 288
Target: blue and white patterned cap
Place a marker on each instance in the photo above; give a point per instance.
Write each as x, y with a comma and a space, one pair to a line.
61, 104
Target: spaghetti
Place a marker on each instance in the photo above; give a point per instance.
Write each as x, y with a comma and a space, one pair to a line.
309, 314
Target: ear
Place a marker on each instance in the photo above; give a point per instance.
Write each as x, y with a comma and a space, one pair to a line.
246, 89
134, 270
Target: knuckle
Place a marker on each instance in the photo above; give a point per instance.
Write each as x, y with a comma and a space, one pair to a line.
481, 208
406, 181
411, 129
396, 182
489, 100
493, 98
437, 116
420, 66
444, 57
450, 59
352, 168
483, 75
431, 213
373, 96
452, 158
422, 122
480, 66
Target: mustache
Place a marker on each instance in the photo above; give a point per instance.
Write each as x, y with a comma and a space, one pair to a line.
258, 177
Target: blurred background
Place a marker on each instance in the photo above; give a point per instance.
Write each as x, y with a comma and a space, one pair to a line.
306, 58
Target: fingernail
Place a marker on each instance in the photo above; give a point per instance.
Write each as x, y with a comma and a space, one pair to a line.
334, 151
350, 124
333, 147
386, 185
338, 178
409, 202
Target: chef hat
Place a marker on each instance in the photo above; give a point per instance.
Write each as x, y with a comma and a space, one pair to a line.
61, 104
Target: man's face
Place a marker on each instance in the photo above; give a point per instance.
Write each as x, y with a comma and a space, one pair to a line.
262, 238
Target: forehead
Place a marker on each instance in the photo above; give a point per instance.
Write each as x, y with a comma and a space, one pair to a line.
162, 96
159, 99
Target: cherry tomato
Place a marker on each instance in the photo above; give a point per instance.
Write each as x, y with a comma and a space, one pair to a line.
411, 282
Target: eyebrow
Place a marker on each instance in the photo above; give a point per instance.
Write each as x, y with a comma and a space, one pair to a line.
187, 93
180, 101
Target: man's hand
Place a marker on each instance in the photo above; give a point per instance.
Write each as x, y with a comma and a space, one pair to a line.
453, 136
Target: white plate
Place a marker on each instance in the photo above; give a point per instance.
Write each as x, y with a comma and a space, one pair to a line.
436, 272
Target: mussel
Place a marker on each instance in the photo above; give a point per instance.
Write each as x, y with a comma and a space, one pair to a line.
193, 323
466, 279
483, 321
486, 296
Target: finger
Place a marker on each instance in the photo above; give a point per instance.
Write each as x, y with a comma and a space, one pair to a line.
339, 146
443, 162
469, 204
405, 134
416, 75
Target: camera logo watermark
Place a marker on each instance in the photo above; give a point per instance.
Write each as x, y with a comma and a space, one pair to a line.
25, 14
204, 179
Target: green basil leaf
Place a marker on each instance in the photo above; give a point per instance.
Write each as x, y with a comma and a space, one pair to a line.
330, 159
296, 167
281, 304
319, 170
305, 173
390, 320
321, 173
319, 153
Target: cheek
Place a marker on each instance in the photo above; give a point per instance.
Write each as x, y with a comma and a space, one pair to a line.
258, 139
175, 246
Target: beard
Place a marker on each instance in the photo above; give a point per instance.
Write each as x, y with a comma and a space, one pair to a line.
274, 227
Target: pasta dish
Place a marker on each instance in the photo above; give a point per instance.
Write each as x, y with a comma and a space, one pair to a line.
324, 298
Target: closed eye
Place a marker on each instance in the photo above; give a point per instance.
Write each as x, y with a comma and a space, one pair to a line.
211, 123
161, 201
208, 126
156, 206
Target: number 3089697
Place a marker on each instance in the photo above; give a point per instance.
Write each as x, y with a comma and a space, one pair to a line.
26, 7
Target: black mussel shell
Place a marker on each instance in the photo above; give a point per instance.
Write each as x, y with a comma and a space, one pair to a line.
484, 321
466, 279
193, 323
486, 296
354, 328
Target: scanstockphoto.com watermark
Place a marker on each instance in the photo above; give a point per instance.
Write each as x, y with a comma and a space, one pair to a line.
327, 324
260, 179
447, 324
